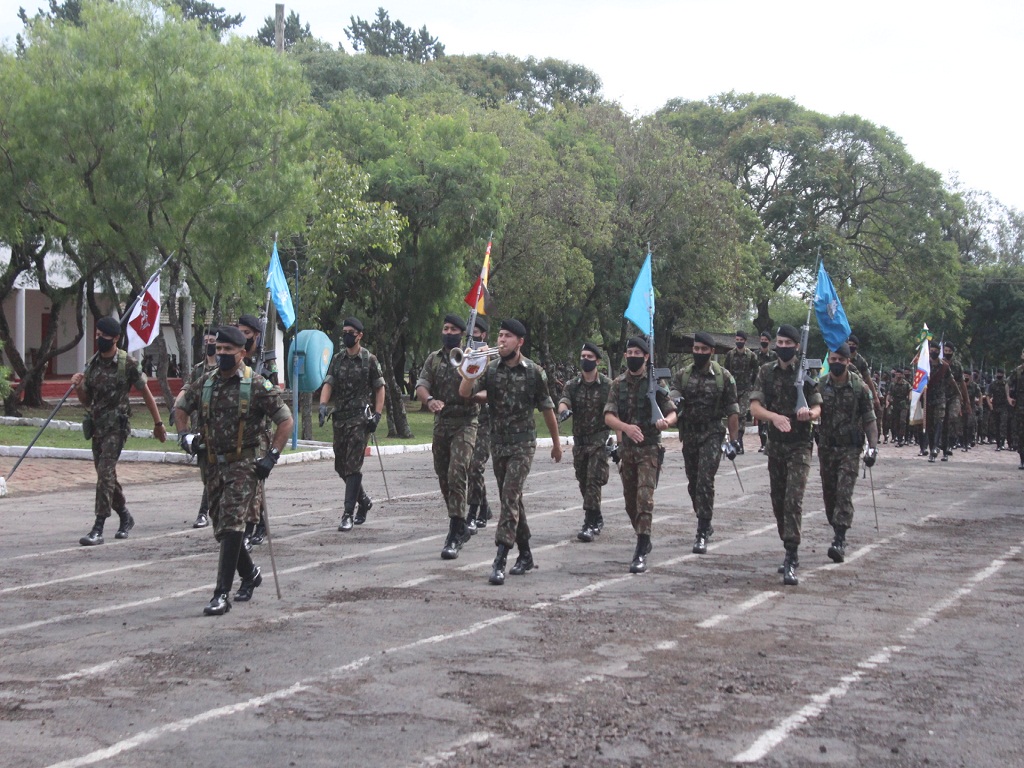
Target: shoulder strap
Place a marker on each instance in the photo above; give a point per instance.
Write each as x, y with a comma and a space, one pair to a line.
122, 364
715, 369
244, 399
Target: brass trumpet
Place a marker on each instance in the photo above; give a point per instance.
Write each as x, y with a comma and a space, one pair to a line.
472, 362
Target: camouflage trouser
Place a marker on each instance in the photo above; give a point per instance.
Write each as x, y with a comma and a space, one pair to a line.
453, 452
788, 467
702, 453
999, 424
984, 422
1018, 430
511, 467
638, 467
350, 440
899, 422
232, 490
951, 426
971, 426
106, 449
481, 452
591, 465
838, 467
934, 415
743, 398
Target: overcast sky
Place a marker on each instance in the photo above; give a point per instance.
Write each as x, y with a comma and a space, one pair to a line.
943, 76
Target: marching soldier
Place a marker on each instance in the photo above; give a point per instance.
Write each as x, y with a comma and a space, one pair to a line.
935, 405
583, 399
766, 355
629, 412
742, 364
513, 386
353, 384
455, 431
479, 509
847, 417
999, 396
1016, 400
956, 401
104, 390
774, 399
898, 402
707, 395
973, 409
232, 405
252, 328
200, 370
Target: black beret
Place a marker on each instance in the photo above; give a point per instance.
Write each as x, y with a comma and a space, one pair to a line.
843, 350
741, 334
853, 339
787, 331
588, 347
948, 344
353, 322
251, 321
230, 335
1000, 370
211, 331
108, 326
455, 320
482, 324
512, 325
766, 335
639, 343
704, 337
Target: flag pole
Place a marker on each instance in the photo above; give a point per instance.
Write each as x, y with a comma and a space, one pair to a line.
479, 295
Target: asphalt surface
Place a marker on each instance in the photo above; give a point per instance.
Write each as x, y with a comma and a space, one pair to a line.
382, 654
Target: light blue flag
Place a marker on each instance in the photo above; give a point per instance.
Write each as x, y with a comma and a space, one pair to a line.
278, 286
829, 311
640, 311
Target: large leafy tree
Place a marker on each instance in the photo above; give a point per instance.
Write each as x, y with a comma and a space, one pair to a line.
392, 39
294, 32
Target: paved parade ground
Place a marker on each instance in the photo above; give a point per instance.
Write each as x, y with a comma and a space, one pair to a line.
382, 654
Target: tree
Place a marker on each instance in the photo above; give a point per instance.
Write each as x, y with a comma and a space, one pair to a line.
208, 16
392, 39
294, 32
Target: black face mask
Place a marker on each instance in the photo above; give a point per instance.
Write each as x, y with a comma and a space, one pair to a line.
105, 345
935, 354
634, 363
837, 369
211, 350
349, 339
740, 344
587, 365
451, 340
999, 377
700, 359
226, 362
785, 353
249, 344
853, 351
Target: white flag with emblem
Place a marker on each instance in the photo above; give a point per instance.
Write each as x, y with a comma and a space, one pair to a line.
144, 323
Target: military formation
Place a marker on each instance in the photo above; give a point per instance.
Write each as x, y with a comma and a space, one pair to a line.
231, 416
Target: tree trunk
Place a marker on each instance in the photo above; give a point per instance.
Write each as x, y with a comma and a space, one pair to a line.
763, 321
398, 420
306, 409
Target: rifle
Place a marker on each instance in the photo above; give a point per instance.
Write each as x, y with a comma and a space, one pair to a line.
805, 332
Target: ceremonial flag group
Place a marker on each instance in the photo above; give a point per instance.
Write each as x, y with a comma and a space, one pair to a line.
921, 374
479, 297
640, 310
835, 328
144, 321
278, 287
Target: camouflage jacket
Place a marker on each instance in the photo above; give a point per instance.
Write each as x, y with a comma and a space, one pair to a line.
586, 400
938, 380
997, 392
956, 377
442, 379
200, 370
775, 389
862, 367
512, 394
974, 393
743, 365
627, 399
899, 394
220, 424
845, 410
107, 385
763, 358
353, 380
704, 403
267, 369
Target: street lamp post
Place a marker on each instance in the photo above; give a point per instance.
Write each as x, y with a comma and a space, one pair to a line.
296, 362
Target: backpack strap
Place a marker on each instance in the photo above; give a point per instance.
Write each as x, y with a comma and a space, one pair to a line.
715, 369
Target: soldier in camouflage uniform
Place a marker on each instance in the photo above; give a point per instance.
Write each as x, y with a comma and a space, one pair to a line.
935, 403
861, 365
898, 401
513, 386
252, 328
353, 383
629, 412
973, 410
998, 395
199, 370
706, 395
455, 431
742, 364
1016, 401
774, 399
765, 356
479, 509
103, 388
232, 404
956, 402
583, 399
847, 417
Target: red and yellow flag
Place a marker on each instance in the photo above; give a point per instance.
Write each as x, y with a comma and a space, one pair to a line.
478, 295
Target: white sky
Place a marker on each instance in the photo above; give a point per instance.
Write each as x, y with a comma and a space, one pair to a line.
943, 76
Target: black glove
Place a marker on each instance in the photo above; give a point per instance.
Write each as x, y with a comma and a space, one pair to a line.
264, 465
613, 452
323, 413
729, 449
190, 442
565, 415
372, 422
870, 455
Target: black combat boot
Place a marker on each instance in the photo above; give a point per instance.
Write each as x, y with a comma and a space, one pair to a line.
250, 575
704, 531
365, 503
471, 519
643, 549
796, 562
484, 515
524, 562
127, 523
203, 518
837, 552
598, 521
497, 577
95, 536
259, 533
351, 494
789, 566
456, 532
230, 548
587, 531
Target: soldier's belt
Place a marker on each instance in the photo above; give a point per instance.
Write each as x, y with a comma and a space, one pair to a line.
506, 438
231, 458
600, 436
704, 425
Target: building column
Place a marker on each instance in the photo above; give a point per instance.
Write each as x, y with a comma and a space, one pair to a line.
82, 348
186, 329
19, 322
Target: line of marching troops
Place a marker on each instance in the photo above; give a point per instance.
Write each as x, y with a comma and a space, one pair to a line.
234, 420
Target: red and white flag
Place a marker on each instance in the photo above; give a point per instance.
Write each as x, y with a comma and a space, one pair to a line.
144, 323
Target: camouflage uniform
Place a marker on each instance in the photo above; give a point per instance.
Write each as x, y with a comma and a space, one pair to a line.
846, 409
935, 404
1016, 383
953, 418
589, 436
789, 453
973, 421
899, 397
107, 384
455, 429
1000, 417
353, 380
477, 492
199, 371
763, 358
638, 463
743, 365
512, 394
708, 398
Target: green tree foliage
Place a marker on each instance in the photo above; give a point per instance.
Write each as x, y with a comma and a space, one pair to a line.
294, 32
392, 39
208, 16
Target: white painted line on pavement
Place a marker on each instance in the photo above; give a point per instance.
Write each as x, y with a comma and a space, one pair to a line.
95, 670
477, 737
